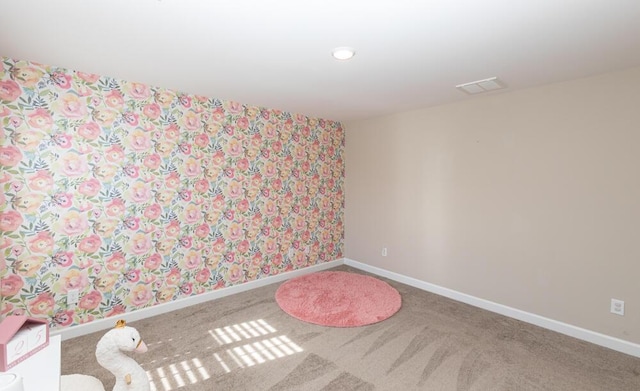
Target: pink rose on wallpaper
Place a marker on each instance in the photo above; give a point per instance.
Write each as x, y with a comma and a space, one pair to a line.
13, 121
11, 285
234, 107
185, 195
187, 288
140, 192
191, 120
172, 132
269, 169
234, 148
9, 90
243, 164
173, 277
191, 167
139, 295
243, 206
104, 116
138, 90
114, 99
63, 259
152, 211
192, 259
105, 283
90, 244
71, 106
172, 180
105, 172
114, 153
202, 231
64, 200
172, 229
10, 156
140, 243
270, 208
63, 318
73, 223
152, 111
41, 181
90, 300
27, 76
152, 161
218, 159
243, 123
243, 247
28, 267
62, 140
164, 98
88, 77
116, 310
139, 140
42, 305
132, 223
230, 214
201, 186
42, 243
61, 80
234, 190
277, 222
203, 275
192, 214
132, 171
115, 262
131, 118
235, 231
132, 275
185, 100
115, 207
73, 164
153, 262
73, 279
40, 119
201, 140
165, 294
234, 274
90, 187
89, 131
10, 221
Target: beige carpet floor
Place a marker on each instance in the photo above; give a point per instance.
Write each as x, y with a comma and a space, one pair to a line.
245, 342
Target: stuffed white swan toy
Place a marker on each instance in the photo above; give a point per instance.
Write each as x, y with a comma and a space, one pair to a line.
129, 375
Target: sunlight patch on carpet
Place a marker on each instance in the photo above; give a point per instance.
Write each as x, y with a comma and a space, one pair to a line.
240, 345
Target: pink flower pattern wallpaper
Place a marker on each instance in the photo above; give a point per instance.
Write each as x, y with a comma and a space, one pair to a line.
136, 195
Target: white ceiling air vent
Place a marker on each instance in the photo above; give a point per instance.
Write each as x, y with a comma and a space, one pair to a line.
479, 86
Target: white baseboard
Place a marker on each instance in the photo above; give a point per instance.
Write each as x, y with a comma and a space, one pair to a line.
617, 344
107, 323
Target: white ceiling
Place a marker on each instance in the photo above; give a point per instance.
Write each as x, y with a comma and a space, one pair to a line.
277, 53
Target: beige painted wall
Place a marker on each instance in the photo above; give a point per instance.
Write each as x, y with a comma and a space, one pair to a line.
529, 199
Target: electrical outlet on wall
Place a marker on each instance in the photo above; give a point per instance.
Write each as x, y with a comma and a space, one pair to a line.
73, 296
617, 307
384, 251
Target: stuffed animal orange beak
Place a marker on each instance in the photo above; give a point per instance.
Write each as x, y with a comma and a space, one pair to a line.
142, 347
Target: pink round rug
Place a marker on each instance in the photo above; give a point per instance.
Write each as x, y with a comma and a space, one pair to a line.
338, 299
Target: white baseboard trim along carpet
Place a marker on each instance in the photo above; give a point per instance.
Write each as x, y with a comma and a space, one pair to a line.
107, 323
550, 324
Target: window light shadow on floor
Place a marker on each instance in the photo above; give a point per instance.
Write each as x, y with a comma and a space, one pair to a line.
239, 346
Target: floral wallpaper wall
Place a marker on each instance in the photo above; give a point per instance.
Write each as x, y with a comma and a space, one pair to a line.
136, 195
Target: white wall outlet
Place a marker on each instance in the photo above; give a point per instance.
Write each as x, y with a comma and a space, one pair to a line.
291, 252
617, 307
73, 296
384, 251
307, 249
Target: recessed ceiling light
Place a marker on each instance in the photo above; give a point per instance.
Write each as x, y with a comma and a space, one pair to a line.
343, 53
